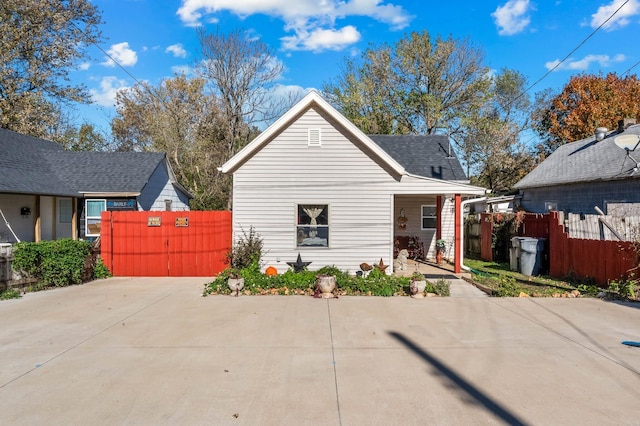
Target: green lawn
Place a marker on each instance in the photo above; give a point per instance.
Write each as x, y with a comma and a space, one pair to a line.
504, 282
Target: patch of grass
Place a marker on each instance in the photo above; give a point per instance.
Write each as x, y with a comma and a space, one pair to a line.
506, 283
10, 293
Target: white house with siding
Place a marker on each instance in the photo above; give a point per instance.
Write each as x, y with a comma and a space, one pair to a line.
314, 184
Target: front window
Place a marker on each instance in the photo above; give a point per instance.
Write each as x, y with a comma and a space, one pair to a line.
312, 227
65, 211
428, 217
93, 210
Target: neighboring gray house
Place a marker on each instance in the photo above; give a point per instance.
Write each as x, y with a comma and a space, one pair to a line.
314, 184
582, 175
48, 193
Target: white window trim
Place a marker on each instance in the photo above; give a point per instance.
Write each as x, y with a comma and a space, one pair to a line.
296, 225
422, 217
87, 217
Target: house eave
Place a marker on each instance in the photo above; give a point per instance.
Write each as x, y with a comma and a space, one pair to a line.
312, 98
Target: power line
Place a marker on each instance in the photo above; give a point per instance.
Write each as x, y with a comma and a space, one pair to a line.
571, 53
632, 67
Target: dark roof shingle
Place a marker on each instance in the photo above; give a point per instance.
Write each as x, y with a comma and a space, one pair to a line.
584, 161
428, 156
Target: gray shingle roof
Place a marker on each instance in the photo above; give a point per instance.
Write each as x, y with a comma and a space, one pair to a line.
106, 171
24, 168
427, 156
584, 161
30, 165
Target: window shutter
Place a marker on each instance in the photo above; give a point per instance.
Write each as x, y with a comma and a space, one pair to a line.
314, 138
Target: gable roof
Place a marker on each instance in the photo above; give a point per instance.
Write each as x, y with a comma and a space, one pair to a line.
584, 161
427, 156
31, 165
24, 168
107, 171
312, 99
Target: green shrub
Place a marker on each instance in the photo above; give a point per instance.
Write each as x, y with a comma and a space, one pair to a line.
59, 262
100, 271
246, 250
10, 293
377, 283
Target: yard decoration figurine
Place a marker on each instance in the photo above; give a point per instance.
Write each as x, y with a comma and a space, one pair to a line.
299, 265
381, 266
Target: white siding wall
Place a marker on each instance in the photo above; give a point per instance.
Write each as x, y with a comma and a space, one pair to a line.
23, 226
287, 172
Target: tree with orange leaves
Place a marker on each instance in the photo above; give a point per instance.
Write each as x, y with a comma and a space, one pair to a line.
588, 101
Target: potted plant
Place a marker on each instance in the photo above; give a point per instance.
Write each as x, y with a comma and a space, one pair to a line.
441, 246
417, 286
325, 284
235, 282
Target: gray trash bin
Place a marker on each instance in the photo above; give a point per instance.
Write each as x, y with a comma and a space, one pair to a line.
531, 254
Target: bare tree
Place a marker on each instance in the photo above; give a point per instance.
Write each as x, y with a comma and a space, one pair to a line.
242, 72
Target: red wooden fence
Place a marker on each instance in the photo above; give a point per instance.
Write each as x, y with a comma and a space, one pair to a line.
602, 261
486, 237
159, 243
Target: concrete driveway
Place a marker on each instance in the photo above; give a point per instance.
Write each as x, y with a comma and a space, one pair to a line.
153, 351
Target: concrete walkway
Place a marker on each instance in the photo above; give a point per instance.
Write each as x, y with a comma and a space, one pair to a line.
149, 351
457, 286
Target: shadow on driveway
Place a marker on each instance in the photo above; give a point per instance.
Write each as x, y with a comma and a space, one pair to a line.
473, 392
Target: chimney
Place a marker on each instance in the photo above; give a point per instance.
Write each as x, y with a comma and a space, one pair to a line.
624, 123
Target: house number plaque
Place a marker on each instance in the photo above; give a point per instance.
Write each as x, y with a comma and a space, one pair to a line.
153, 221
182, 222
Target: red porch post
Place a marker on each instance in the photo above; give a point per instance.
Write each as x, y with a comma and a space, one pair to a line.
457, 264
438, 217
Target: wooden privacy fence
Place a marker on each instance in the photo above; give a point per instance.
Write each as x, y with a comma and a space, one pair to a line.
160, 243
600, 260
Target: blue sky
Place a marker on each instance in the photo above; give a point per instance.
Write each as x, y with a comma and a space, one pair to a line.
152, 39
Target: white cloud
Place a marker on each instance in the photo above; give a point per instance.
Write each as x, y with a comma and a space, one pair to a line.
182, 69
583, 64
106, 95
319, 39
177, 50
312, 22
620, 19
122, 54
512, 17
84, 66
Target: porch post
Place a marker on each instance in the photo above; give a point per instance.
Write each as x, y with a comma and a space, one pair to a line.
457, 264
438, 217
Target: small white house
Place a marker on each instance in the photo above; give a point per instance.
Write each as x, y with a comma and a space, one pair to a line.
314, 184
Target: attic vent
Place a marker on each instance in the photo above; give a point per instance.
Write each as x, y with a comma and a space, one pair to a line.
314, 138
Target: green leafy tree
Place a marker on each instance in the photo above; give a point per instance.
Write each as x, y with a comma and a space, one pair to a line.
40, 41
179, 118
419, 85
493, 144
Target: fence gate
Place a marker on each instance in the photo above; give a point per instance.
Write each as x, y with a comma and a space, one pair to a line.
159, 243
